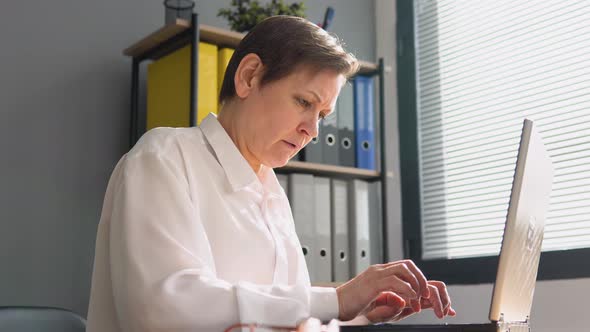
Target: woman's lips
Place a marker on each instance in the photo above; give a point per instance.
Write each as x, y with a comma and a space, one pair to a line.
291, 145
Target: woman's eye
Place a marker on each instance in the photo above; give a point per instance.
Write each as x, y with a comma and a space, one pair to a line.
304, 102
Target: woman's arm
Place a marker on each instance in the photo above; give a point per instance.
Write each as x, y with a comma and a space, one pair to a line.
162, 269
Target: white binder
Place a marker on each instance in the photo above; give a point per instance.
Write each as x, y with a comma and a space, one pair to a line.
375, 223
340, 252
360, 253
322, 254
302, 200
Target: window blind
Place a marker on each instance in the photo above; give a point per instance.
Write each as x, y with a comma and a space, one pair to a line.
481, 68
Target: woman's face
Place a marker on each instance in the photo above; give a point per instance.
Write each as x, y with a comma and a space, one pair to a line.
284, 114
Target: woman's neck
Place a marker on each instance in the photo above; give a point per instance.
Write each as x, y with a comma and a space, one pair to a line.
229, 118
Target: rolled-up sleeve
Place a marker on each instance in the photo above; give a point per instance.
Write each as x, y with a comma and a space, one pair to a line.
162, 268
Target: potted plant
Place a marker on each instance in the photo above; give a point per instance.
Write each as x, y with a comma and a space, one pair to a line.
243, 15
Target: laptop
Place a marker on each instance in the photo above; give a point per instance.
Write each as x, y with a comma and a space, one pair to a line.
518, 263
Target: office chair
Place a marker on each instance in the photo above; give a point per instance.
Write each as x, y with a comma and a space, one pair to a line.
39, 319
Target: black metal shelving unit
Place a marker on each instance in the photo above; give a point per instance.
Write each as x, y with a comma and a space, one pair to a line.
189, 36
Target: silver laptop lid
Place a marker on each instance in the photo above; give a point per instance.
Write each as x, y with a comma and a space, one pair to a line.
523, 233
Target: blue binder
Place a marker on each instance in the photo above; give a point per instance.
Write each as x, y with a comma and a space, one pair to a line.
364, 122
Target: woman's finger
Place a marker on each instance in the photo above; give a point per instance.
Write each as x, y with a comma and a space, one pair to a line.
390, 298
435, 301
384, 314
452, 312
444, 295
387, 306
399, 286
403, 272
424, 291
415, 271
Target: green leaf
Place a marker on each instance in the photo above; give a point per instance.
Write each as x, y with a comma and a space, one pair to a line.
243, 15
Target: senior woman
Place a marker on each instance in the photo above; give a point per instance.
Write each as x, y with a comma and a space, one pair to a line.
196, 234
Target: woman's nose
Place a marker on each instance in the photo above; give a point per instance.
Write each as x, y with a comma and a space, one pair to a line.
309, 128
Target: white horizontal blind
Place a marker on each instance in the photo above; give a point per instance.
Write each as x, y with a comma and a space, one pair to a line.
482, 67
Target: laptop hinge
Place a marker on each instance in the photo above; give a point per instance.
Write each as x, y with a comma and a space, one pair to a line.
505, 326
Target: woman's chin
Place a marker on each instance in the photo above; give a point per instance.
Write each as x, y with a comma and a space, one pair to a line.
277, 163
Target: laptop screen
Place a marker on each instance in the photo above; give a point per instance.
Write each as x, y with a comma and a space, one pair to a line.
523, 233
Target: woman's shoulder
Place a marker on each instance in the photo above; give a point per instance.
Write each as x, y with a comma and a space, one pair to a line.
167, 142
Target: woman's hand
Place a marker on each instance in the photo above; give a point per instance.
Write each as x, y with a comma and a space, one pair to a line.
392, 291
403, 284
439, 300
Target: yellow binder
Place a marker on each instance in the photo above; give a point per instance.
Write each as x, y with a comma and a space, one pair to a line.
207, 102
223, 57
168, 87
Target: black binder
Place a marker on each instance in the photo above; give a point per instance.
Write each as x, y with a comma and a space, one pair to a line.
313, 151
329, 139
346, 146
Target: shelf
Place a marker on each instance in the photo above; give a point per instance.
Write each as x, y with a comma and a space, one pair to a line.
209, 34
367, 67
327, 284
156, 38
220, 37
323, 169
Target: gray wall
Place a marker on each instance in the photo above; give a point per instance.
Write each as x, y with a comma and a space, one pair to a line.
64, 100
559, 305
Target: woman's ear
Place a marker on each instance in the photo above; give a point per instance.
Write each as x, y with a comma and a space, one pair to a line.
248, 75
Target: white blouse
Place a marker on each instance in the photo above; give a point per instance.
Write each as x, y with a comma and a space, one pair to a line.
190, 239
